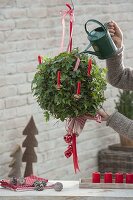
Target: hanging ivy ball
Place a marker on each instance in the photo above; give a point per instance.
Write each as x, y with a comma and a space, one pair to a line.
63, 92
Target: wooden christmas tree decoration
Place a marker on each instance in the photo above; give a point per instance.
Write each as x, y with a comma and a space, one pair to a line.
16, 162
30, 142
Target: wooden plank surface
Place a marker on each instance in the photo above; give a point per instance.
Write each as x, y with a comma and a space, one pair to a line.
87, 183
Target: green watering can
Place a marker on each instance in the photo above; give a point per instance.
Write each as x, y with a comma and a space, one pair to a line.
101, 41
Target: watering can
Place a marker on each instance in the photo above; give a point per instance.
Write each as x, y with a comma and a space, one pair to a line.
101, 41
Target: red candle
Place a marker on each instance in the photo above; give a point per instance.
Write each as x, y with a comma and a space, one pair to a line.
118, 177
58, 79
89, 66
40, 60
107, 177
96, 177
78, 87
129, 178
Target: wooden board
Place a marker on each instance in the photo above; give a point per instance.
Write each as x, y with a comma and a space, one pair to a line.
87, 183
118, 147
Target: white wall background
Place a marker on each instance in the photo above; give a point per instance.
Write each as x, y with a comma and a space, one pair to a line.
29, 28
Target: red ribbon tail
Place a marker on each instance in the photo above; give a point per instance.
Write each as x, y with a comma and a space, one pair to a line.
75, 157
71, 30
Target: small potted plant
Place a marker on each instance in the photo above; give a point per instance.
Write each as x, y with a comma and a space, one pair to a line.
124, 105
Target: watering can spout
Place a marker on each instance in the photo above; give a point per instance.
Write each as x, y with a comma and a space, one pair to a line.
90, 52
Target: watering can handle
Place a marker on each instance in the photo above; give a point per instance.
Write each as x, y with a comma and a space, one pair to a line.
93, 20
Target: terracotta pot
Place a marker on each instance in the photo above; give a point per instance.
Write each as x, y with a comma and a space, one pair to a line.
125, 141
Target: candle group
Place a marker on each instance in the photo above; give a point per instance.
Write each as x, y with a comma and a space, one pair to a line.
108, 177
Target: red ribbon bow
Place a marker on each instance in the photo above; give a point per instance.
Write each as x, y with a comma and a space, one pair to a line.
74, 128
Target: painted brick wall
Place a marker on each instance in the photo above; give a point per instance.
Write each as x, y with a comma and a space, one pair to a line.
29, 28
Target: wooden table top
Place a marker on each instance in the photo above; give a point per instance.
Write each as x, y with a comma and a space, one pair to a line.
71, 191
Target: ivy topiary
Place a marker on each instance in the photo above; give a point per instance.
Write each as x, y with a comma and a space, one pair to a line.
62, 103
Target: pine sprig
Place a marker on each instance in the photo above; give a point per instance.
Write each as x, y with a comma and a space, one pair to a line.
124, 104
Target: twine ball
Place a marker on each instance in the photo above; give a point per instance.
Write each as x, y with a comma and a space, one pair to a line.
58, 186
21, 180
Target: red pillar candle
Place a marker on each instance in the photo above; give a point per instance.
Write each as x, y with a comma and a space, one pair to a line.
58, 79
78, 87
89, 66
107, 177
129, 178
39, 60
96, 177
118, 177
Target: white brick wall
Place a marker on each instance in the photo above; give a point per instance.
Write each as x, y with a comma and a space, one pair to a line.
29, 28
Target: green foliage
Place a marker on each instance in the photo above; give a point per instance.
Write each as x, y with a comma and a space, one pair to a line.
125, 103
61, 103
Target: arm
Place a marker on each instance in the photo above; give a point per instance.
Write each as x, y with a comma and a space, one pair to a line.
119, 77
116, 121
119, 123
117, 74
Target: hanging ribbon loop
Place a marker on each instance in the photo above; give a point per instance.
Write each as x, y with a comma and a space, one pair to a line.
64, 13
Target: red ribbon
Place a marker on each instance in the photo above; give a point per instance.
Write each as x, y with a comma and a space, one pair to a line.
74, 127
75, 156
77, 64
69, 12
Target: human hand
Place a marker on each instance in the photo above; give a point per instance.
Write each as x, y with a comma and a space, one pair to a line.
115, 33
103, 114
